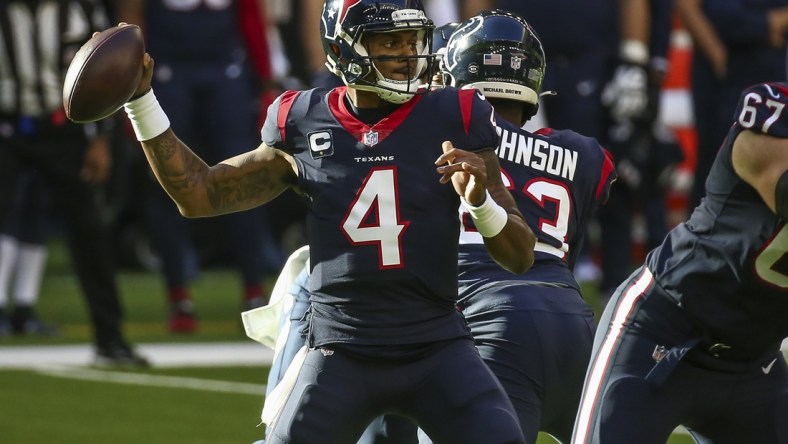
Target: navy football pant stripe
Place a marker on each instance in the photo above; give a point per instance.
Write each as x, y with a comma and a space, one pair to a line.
603, 355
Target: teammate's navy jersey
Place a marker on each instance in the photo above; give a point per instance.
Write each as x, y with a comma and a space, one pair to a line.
194, 31
558, 179
726, 264
382, 229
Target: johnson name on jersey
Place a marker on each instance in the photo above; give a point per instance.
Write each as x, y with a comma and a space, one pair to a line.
558, 179
725, 264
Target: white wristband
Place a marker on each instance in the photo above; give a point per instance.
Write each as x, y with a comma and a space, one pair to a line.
634, 51
489, 217
146, 116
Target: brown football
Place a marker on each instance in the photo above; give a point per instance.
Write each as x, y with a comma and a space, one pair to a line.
104, 74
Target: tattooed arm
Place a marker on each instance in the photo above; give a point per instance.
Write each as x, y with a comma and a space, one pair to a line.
239, 183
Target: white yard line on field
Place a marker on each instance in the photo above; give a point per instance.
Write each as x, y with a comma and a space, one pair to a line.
69, 361
182, 382
209, 354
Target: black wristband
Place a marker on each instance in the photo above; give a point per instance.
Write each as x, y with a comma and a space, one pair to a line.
781, 196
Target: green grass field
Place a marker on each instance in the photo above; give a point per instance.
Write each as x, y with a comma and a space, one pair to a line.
38, 407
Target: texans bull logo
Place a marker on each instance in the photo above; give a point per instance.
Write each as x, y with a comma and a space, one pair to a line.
332, 29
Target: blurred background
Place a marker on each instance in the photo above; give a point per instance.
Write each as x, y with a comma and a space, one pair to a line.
173, 281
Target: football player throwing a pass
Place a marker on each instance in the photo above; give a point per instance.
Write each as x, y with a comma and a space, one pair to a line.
374, 159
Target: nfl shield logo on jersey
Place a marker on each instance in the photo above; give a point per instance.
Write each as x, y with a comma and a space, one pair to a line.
320, 144
371, 138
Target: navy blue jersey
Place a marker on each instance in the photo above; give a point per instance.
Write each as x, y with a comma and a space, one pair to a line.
382, 229
726, 265
194, 31
558, 179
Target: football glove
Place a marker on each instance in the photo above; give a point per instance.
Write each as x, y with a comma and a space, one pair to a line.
626, 95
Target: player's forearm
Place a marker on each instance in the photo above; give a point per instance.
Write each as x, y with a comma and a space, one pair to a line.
703, 33
634, 20
510, 245
180, 172
513, 247
131, 11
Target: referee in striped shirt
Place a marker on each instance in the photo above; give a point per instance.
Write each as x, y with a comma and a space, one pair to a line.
38, 39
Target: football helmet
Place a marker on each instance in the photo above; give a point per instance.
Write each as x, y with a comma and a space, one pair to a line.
498, 53
440, 38
343, 26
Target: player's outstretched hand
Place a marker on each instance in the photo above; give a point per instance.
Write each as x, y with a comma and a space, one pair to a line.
466, 171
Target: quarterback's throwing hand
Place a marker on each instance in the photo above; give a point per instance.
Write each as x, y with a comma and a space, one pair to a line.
466, 171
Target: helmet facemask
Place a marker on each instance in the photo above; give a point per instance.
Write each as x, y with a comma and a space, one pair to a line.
392, 90
348, 56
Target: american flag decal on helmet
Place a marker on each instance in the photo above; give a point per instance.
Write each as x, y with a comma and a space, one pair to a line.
493, 59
